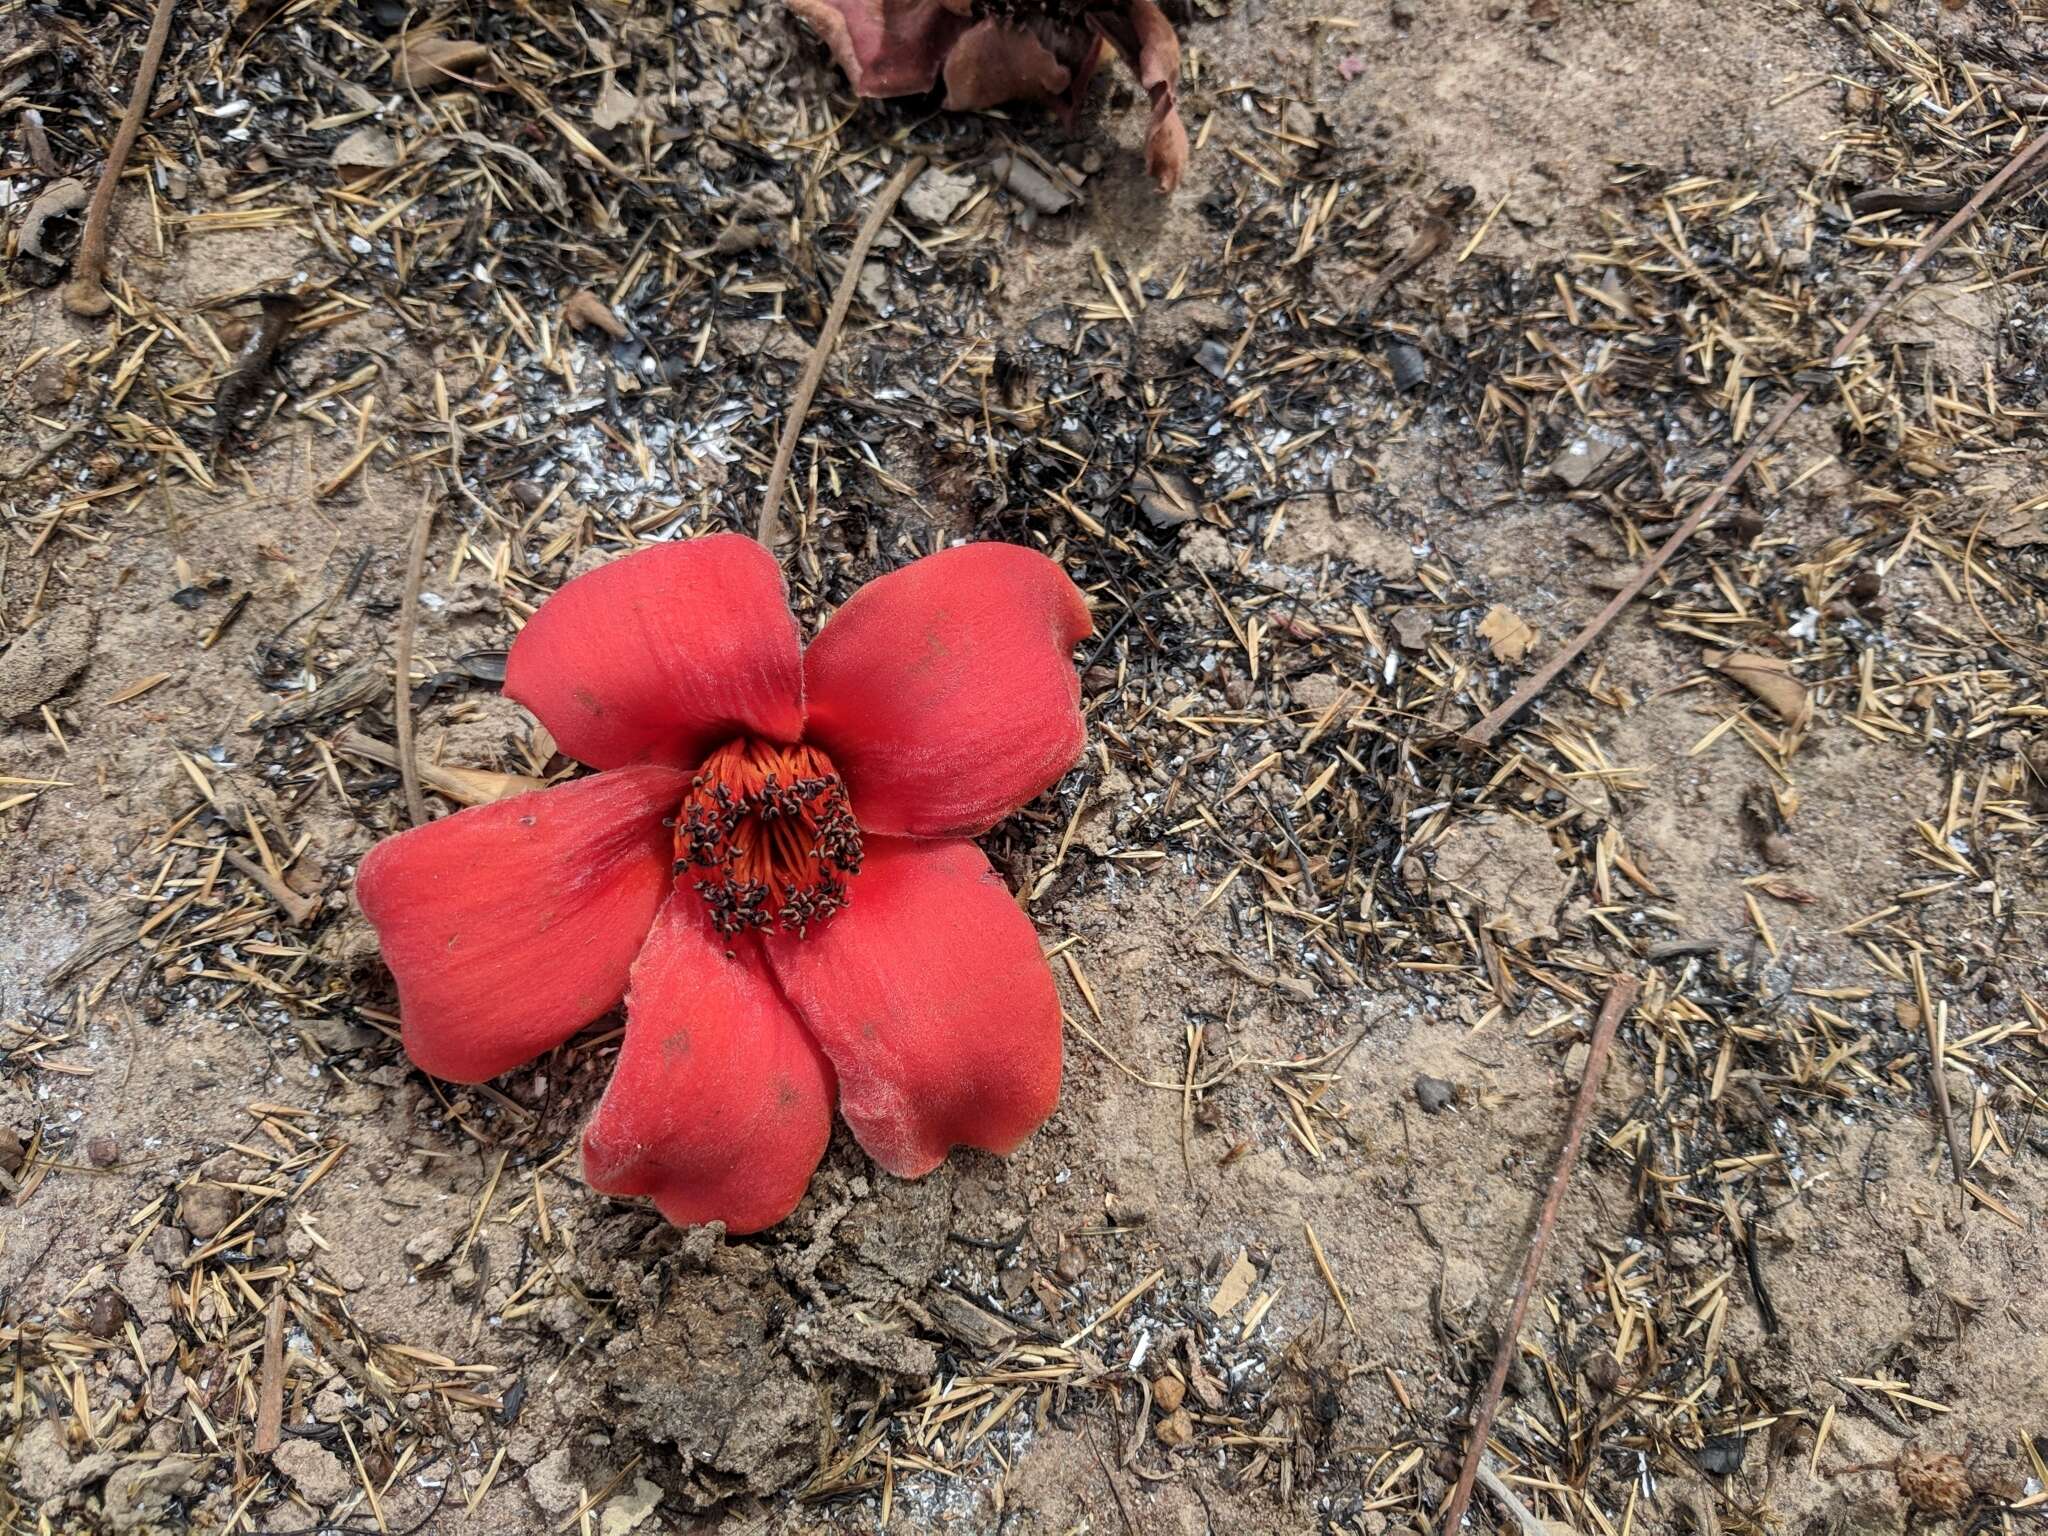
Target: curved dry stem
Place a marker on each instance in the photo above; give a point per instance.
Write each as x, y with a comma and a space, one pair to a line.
86, 293
768, 529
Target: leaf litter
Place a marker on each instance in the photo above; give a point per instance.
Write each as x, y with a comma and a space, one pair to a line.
1800, 1270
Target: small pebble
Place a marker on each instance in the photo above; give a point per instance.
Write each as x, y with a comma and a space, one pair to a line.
103, 1316
430, 1247
206, 1209
1434, 1094
1072, 1263
1406, 363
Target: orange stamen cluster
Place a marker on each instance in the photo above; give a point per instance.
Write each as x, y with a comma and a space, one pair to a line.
770, 829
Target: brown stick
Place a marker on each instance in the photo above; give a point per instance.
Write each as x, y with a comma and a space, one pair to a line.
86, 293
300, 909
1483, 733
1620, 998
814, 370
401, 702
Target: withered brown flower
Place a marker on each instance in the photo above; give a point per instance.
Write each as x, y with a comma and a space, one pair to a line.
990, 52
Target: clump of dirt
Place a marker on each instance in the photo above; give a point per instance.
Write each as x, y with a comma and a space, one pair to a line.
45, 661
1507, 874
710, 1392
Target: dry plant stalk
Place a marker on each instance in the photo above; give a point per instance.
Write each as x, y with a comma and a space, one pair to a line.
1483, 733
401, 700
300, 909
1620, 998
768, 530
86, 293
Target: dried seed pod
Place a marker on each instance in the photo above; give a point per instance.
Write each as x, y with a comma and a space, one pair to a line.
1933, 1482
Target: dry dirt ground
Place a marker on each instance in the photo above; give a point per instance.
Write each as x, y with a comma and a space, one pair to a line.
1460, 307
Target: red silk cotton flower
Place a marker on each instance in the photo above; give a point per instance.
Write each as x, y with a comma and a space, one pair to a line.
771, 867
994, 51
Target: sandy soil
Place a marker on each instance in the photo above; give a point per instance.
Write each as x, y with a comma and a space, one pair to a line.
1329, 979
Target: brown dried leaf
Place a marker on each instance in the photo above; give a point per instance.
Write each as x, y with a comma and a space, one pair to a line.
1235, 1286
1209, 1388
1206, 1386
1770, 679
1165, 496
616, 107
364, 153
426, 62
1155, 60
1781, 889
584, 310
1507, 632
905, 47
995, 62
2021, 526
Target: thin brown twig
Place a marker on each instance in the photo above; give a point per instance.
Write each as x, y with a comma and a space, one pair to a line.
1620, 998
1109, 1477
86, 293
300, 909
1483, 733
401, 701
814, 370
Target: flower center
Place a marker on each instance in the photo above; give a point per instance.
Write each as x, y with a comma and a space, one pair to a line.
771, 835
1070, 13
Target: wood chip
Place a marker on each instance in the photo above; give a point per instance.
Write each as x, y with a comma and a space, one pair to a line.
1235, 1285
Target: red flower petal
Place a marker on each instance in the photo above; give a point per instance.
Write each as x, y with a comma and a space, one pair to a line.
886, 47
662, 654
1147, 42
511, 926
995, 62
931, 997
721, 1105
945, 692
